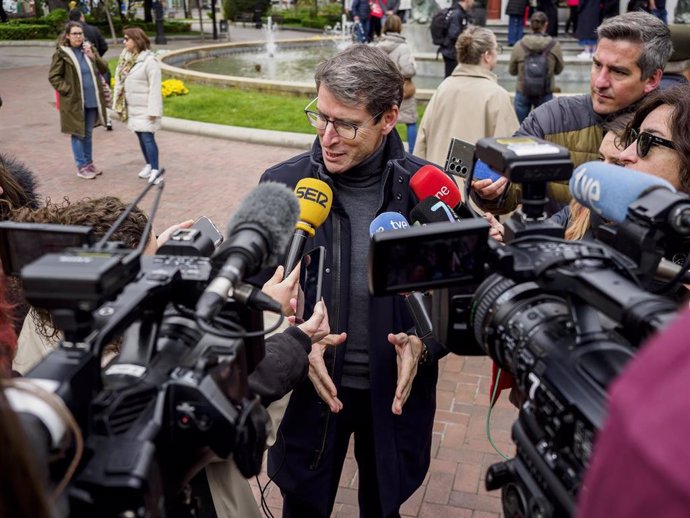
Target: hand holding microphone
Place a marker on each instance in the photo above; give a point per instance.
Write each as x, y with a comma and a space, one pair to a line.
315, 199
256, 239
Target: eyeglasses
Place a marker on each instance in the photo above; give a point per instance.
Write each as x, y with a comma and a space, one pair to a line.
646, 140
344, 129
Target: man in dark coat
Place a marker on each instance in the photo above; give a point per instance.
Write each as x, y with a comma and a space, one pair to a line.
458, 19
379, 382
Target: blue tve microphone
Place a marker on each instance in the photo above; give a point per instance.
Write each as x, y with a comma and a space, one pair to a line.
416, 301
388, 221
609, 189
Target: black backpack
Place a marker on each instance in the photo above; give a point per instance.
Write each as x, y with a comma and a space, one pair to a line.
536, 83
439, 26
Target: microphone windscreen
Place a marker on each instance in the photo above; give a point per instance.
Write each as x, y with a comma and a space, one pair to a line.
432, 210
609, 189
429, 180
388, 221
315, 199
274, 208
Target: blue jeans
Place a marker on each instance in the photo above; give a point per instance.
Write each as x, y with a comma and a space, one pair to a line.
411, 136
82, 147
148, 146
515, 29
523, 105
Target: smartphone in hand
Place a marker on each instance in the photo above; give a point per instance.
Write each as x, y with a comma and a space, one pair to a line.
311, 278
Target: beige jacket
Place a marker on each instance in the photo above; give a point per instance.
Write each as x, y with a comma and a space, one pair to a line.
468, 105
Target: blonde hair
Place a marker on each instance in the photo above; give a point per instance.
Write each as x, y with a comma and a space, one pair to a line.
473, 43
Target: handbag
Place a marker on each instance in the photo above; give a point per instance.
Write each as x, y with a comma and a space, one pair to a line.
107, 92
409, 88
375, 10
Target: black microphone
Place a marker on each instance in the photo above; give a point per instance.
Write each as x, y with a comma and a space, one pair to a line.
258, 234
432, 210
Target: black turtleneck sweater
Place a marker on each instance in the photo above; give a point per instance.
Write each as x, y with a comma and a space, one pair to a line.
358, 191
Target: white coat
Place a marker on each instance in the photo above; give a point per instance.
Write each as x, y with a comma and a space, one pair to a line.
143, 94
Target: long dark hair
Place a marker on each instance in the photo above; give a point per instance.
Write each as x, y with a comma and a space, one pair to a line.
678, 98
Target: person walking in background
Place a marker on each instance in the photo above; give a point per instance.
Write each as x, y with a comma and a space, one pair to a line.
550, 9
361, 14
470, 104
516, 18
74, 74
377, 11
394, 44
138, 99
457, 20
573, 5
588, 19
543, 55
404, 10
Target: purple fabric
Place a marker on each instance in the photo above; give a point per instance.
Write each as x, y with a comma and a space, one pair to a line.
641, 458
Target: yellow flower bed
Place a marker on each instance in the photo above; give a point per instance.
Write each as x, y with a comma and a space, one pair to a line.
173, 87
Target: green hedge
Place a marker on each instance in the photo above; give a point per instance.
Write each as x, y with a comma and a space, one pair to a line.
26, 32
168, 27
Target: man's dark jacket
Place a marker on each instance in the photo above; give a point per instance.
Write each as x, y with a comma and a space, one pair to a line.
300, 459
457, 23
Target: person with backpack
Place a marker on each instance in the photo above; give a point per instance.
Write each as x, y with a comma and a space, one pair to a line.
536, 59
446, 25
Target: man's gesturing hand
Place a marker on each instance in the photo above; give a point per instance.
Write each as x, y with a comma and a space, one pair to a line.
318, 372
408, 349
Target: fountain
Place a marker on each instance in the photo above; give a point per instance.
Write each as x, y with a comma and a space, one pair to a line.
271, 45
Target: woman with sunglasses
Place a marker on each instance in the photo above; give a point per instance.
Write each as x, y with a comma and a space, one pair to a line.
138, 99
658, 137
74, 74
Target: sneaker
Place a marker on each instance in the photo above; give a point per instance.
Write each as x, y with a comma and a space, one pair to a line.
91, 167
145, 172
585, 55
156, 176
85, 173
109, 125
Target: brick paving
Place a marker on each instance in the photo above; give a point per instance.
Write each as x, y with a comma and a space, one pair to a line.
210, 176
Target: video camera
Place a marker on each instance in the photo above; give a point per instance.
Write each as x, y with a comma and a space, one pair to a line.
561, 317
177, 395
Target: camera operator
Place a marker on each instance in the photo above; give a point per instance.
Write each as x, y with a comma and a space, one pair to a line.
640, 459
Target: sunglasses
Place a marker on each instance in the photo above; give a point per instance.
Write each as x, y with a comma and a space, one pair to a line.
646, 140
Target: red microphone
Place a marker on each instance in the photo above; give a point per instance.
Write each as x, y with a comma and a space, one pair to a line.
431, 181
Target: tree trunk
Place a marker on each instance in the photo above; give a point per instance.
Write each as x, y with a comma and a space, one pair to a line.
106, 7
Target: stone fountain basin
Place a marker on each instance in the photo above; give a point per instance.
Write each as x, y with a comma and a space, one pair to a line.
574, 79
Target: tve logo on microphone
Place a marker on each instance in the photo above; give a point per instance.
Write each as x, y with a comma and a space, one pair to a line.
586, 189
394, 225
311, 194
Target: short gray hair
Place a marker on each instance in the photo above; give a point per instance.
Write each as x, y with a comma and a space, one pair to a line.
362, 75
472, 43
644, 28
